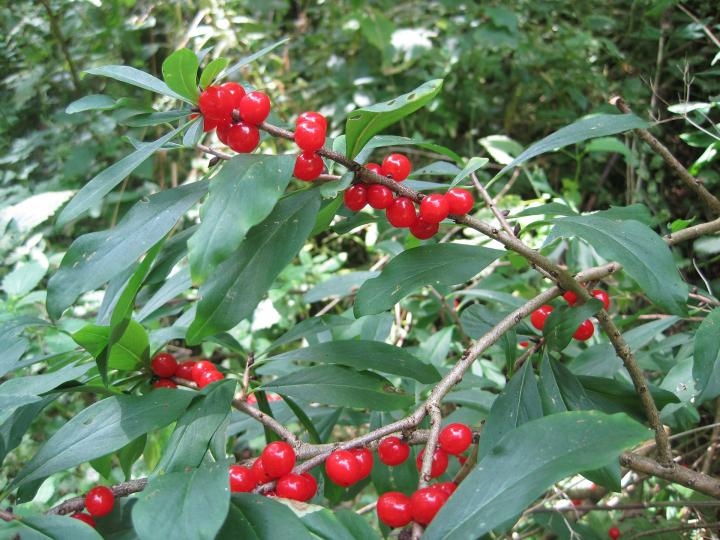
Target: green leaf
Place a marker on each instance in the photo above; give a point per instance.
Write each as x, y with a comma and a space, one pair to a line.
706, 364
184, 505
102, 184
251, 58
434, 264
180, 73
194, 133
234, 290
96, 257
212, 70
136, 77
254, 517
130, 453
335, 385
337, 524
521, 466
130, 350
51, 527
643, 254
191, 438
473, 165
33, 385
549, 209
612, 395
13, 429
93, 102
23, 279
610, 145
563, 321
362, 354
600, 125
363, 123
173, 286
241, 195
104, 427
339, 285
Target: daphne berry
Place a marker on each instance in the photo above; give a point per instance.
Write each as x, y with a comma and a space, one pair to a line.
164, 365
439, 462
278, 459
540, 315
308, 166
460, 201
342, 468
394, 509
401, 213
355, 197
455, 438
434, 208
392, 451
254, 108
242, 479
396, 166
99, 501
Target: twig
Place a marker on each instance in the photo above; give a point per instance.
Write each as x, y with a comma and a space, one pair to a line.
246, 376
675, 473
626, 506
7, 516
691, 233
527, 354
508, 185
705, 28
453, 314
433, 409
491, 205
679, 528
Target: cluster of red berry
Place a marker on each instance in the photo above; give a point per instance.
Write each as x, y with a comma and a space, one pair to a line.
238, 130
165, 366
586, 328
400, 211
310, 128
99, 501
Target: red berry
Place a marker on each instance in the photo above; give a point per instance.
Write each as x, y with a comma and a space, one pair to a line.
258, 469
538, 317
585, 330
374, 167
602, 296
570, 297
294, 486
355, 197
308, 166
448, 488
242, 479
439, 462
396, 166
460, 201
393, 509
379, 196
455, 438
211, 102
576, 502
311, 485
85, 518
364, 458
271, 493
243, 138
425, 503
392, 451
232, 95
310, 136
422, 230
223, 130
164, 383
201, 367
524, 344
209, 377
185, 370
254, 108
401, 213
278, 459
434, 208
164, 365
614, 533
99, 501
342, 468
461, 459
313, 118
209, 124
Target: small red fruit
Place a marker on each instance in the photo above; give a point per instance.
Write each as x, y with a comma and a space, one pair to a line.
185, 370
576, 502
422, 230
392, 451
312, 117
223, 130
99, 501
254, 108
342, 468
242, 479
455, 438
163, 365
201, 367
85, 518
258, 469
293, 486
585, 330
232, 94
355, 197
209, 377
278, 459
448, 488
379, 196
374, 167
425, 503
396, 166
401, 213
434, 208
364, 458
311, 485
243, 137
524, 344
614, 533
540, 315
209, 124
393, 509
570, 297
460, 201
308, 166
164, 383
602, 296
211, 102
439, 462
310, 136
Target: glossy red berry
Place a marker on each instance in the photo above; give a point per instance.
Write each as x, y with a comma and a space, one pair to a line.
434, 208
585, 330
524, 344
312, 117
164, 383
448, 488
293, 486
422, 230
374, 167
570, 297
342, 468
243, 137
614, 533
258, 469
364, 458
459, 200
185, 370
308, 166
540, 315
254, 108
201, 367
401, 213
425, 503
311, 485
392, 451
355, 197
455, 438
223, 130
163, 365
242, 479
602, 296
379, 196
99, 501
576, 502
232, 95
85, 518
396, 166
310, 136
209, 377
211, 102
278, 459
439, 462
209, 124
393, 509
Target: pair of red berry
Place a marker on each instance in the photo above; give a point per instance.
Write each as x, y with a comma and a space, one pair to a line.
275, 463
396, 509
99, 501
221, 105
165, 366
586, 328
310, 129
347, 467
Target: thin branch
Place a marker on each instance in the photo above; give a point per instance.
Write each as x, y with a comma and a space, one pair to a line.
687, 477
491, 205
433, 409
691, 233
657, 532
246, 376
705, 27
7, 516
626, 506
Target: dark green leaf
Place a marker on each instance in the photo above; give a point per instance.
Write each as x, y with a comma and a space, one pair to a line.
564, 321
473, 165
612, 395
254, 517
129, 352
130, 453
706, 365
337, 524
92, 102
50, 528
339, 285
135, 77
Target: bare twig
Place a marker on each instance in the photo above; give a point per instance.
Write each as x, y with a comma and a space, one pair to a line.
246, 376
491, 205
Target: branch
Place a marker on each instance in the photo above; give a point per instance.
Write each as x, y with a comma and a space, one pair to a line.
674, 473
691, 233
626, 506
656, 531
491, 205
